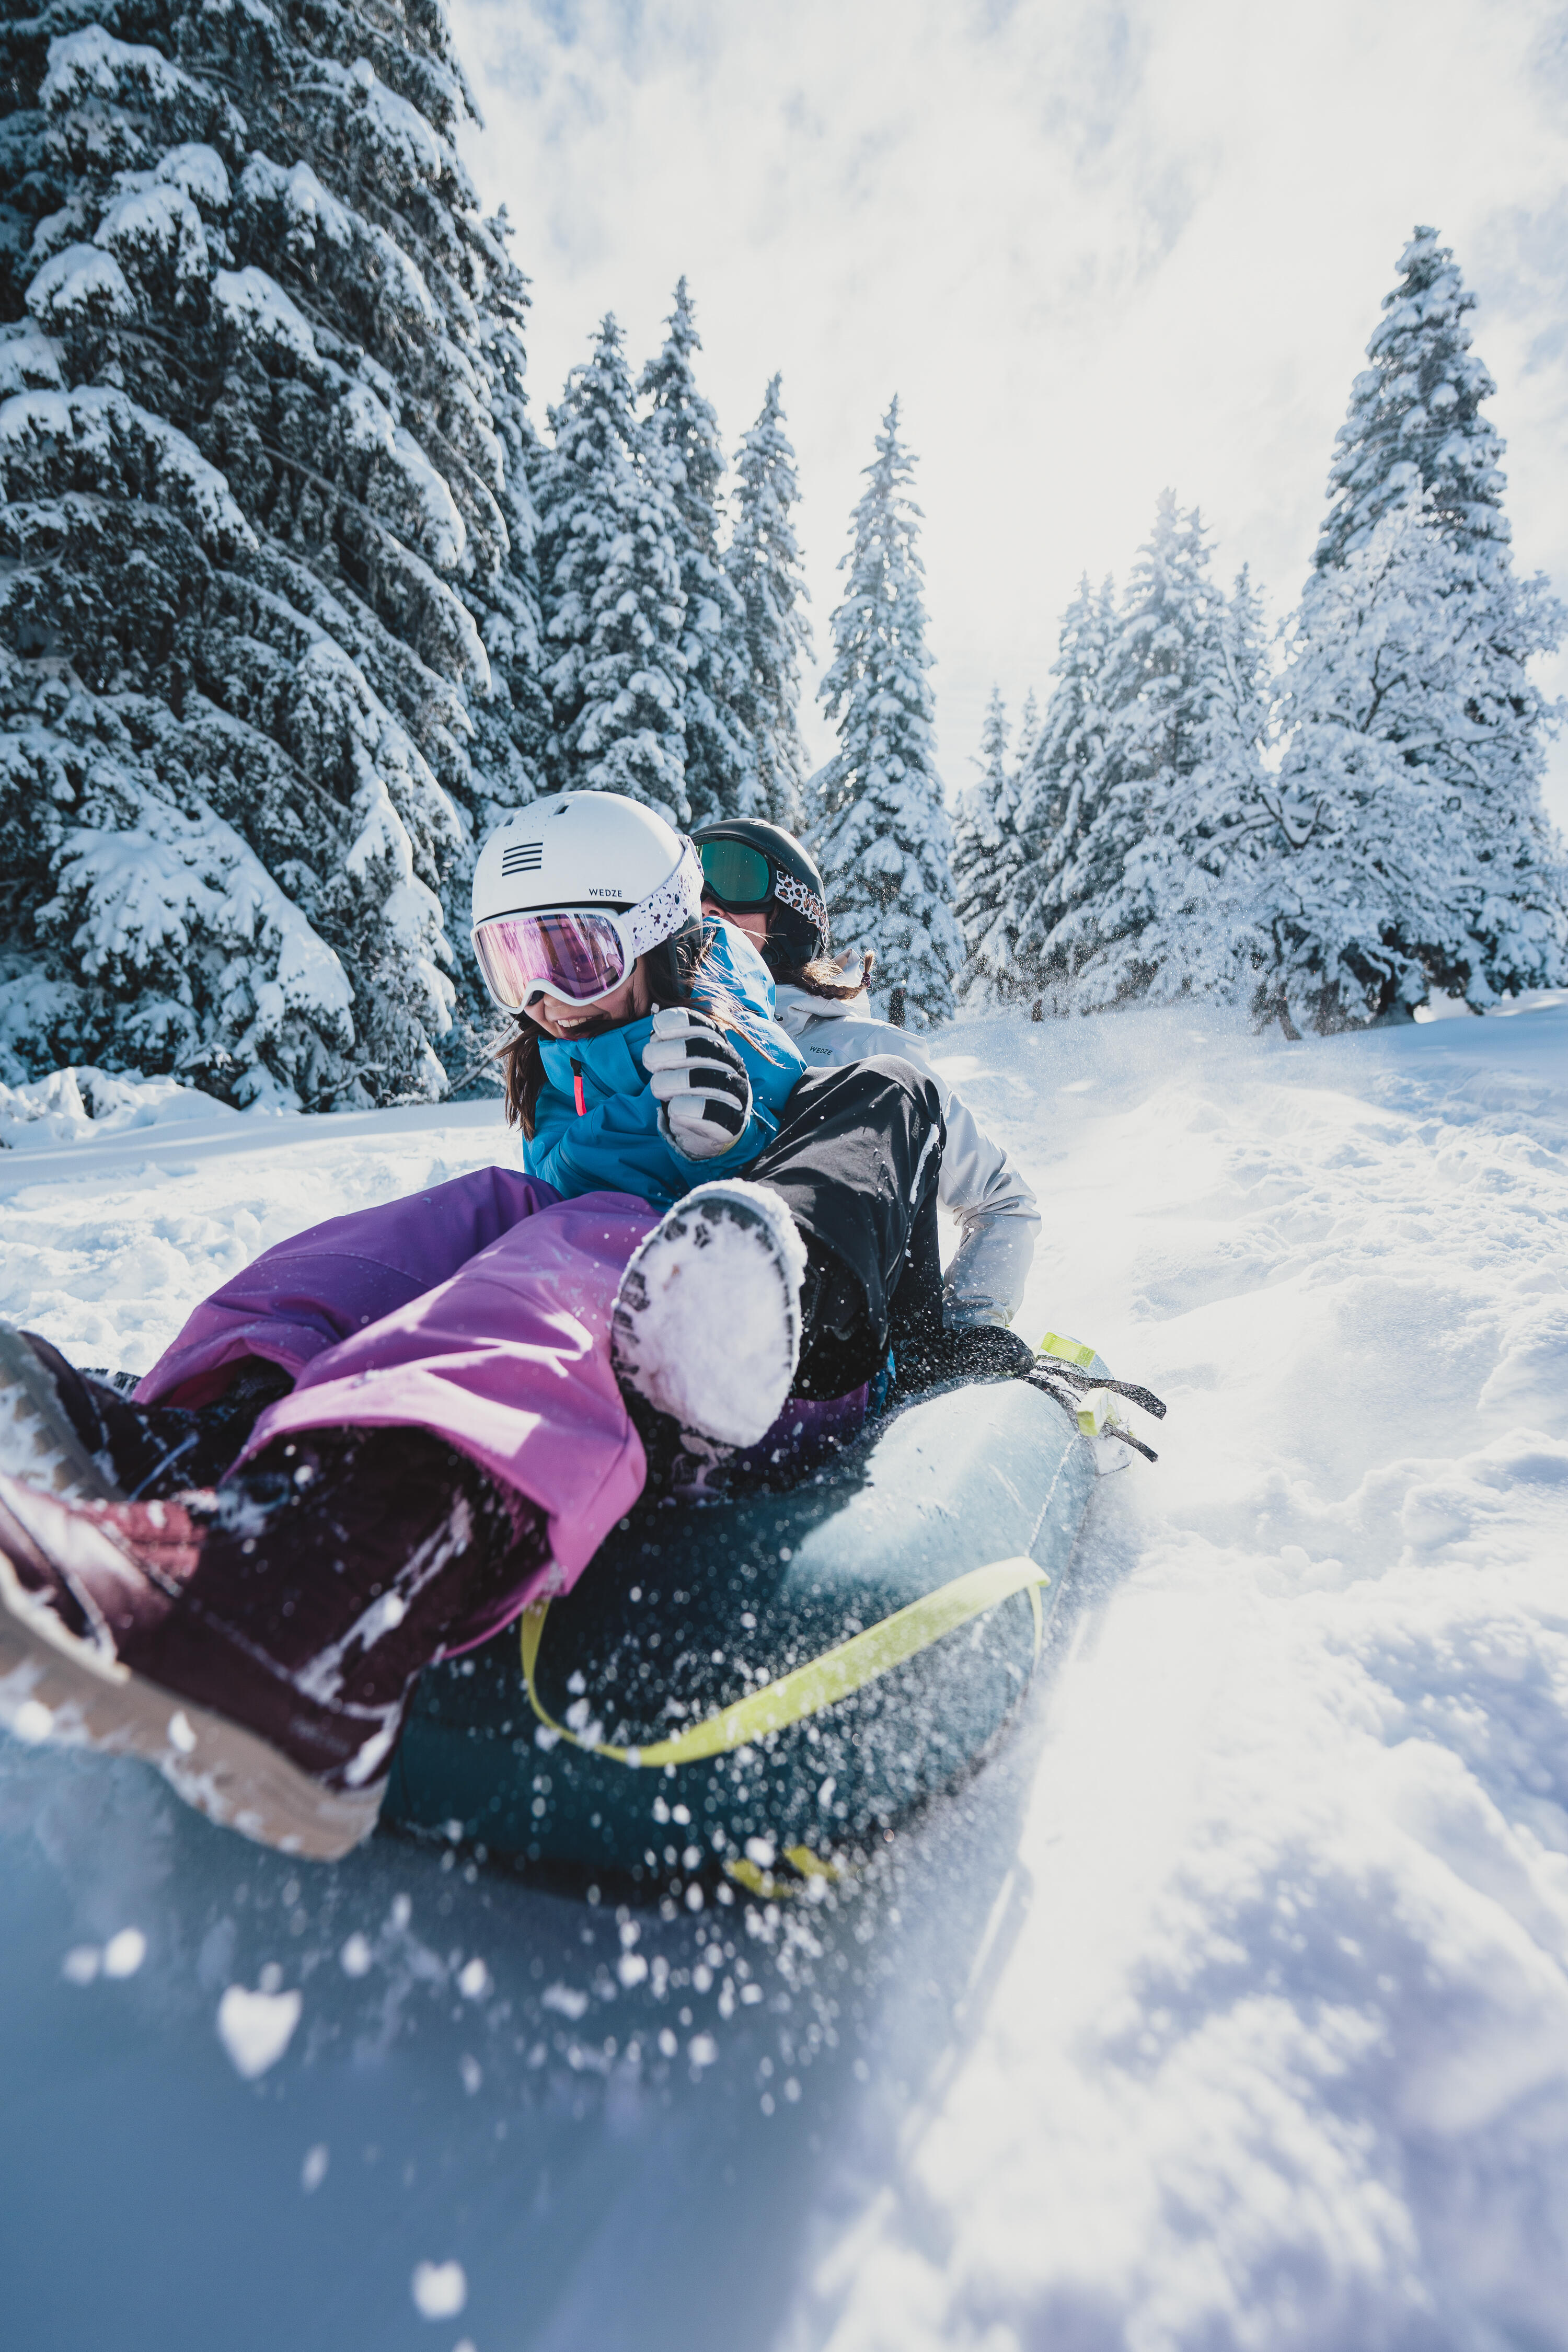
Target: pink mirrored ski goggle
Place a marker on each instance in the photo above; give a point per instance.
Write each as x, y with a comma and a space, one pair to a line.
578, 955
582, 953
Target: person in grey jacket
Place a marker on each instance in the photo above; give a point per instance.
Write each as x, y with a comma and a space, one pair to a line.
761, 878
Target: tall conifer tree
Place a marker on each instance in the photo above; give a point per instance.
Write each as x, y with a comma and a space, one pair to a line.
764, 566
1153, 690
1411, 648
683, 431
1061, 787
883, 835
610, 583
1157, 899
1028, 730
1414, 420
985, 863
253, 496
1375, 889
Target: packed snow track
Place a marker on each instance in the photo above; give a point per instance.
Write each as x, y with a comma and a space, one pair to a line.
1225, 2007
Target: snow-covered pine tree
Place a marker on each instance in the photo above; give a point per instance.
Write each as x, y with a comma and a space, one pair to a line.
1158, 900
1397, 702
683, 430
1414, 420
882, 834
1202, 866
512, 724
1062, 786
764, 565
1028, 730
505, 766
986, 859
610, 590
250, 475
1442, 604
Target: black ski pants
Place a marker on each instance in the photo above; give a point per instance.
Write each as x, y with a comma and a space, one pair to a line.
857, 1161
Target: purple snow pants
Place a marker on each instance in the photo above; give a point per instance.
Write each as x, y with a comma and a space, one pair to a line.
478, 1310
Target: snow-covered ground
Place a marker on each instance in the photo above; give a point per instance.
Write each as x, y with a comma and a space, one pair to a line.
1227, 2007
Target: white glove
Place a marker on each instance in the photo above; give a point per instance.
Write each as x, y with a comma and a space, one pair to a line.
701, 1081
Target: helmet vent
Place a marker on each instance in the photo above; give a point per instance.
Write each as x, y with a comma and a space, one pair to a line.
523, 857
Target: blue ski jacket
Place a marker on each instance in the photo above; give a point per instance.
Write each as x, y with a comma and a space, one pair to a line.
614, 1143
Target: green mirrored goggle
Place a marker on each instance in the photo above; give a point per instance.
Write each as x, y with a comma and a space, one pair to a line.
736, 874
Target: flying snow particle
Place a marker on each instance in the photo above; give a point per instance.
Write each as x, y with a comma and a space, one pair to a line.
440, 2290
255, 2028
473, 2073
80, 1964
123, 1954
314, 2171
473, 1981
563, 1999
354, 1959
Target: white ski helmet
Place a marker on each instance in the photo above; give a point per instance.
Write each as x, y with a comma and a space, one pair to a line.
570, 891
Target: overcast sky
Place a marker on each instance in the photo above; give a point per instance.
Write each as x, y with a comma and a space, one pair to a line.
1096, 250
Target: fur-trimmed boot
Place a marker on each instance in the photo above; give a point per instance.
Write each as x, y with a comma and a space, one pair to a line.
258, 1641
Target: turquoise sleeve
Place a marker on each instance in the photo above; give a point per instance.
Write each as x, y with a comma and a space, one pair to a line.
616, 1146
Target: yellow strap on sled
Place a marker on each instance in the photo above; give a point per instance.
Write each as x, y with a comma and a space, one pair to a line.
806, 1864
818, 1684
1095, 1412
1066, 1351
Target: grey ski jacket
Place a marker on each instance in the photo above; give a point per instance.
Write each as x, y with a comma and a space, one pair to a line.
999, 1217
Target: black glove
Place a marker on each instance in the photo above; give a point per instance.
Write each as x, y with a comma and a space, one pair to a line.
980, 1351
701, 1081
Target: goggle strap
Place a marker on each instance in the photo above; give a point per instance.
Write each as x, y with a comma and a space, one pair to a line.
667, 909
791, 893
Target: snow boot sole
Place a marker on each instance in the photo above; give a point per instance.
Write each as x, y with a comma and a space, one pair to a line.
37, 1441
707, 1320
56, 1686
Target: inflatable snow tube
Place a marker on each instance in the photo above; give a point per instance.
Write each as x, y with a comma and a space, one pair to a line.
765, 1685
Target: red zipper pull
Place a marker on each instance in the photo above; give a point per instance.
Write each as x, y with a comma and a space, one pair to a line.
577, 1086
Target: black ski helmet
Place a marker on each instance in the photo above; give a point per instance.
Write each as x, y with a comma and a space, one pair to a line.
796, 896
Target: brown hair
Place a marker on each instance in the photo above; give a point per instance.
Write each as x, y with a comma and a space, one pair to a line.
823, 976
671, 970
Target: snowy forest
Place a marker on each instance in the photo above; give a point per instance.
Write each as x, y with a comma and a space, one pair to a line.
1325, 824
300, 593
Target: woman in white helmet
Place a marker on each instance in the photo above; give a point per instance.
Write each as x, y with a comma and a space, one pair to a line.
644, 1040
379, 1442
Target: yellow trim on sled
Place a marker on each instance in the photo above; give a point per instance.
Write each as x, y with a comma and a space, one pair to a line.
1094, 1410
810, 1688
808, 1865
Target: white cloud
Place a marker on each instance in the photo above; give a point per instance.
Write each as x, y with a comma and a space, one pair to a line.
1095, 249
